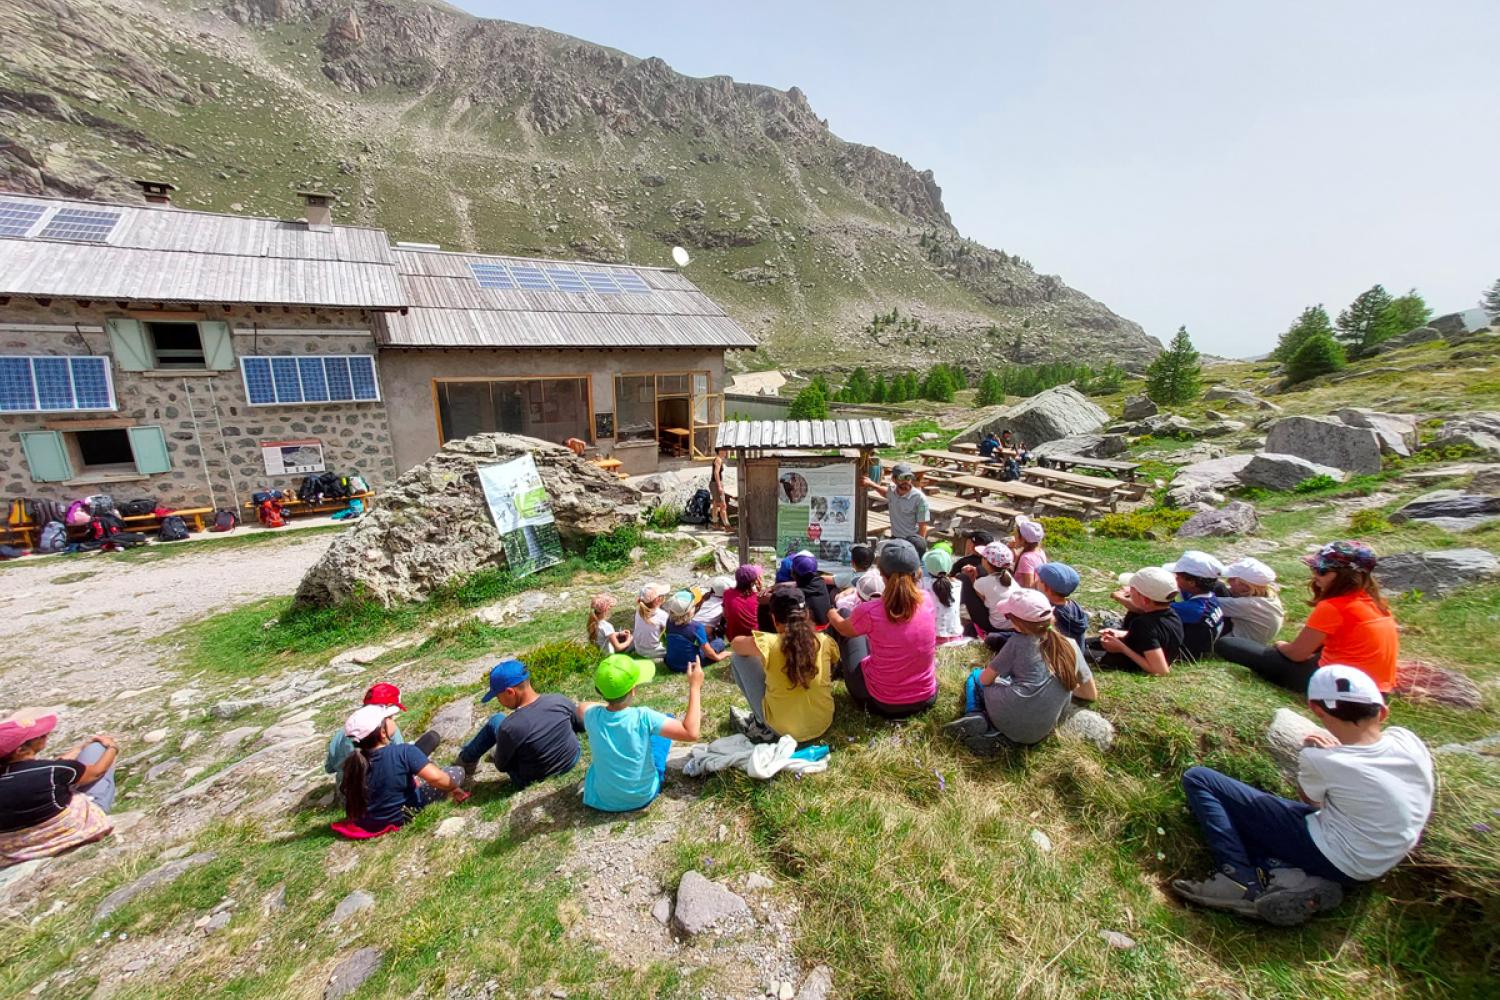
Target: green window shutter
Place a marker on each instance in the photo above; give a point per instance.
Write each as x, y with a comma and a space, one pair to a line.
127, 339
218, 347
149, 445
46, 456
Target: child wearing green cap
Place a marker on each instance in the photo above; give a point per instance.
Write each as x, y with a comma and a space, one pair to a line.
629, 743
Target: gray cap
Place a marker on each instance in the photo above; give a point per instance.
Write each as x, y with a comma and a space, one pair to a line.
901, 470
897, 555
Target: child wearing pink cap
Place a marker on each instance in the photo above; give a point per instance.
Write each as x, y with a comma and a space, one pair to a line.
51, 805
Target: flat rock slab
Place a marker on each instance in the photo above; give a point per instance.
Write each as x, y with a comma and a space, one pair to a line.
1451, 510
1326, 442
356, 902
1397, 432
1436, 572
1284, 738
1214, 473
350, 974
1234, 518
454, 722
165, 875
704, 905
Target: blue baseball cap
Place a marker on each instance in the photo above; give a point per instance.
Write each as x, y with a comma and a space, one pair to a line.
506, 674
1060, 578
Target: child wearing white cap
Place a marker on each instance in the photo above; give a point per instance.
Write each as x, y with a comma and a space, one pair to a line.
1152, 636
1253, 606
1027, 545
1198, 607
1366, 796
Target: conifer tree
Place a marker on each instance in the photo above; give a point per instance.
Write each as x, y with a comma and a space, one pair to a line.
991, 391
1490, 300
809, 404
1173, 377
1405, 313
879, 392
1357, 325
1312, 323
1317, 356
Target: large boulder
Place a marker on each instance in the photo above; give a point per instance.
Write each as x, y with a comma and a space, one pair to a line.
1282, 472
1059, 412
1451, 510
1223, 394
434, 527
1286, 736
1397, 431
1138, 408
1214, 473
1327, 442
1085, 445
1480, 431
1234, 518
1420, 335
1436, 572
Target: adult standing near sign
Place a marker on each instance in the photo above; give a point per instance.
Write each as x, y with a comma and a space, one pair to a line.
905, 504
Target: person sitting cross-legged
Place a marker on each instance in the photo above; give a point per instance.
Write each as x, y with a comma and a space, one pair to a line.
1366, 794
50, 805
340, 746
890, 648
1020, 696
629, 743
1152, 636
536, 740
385, 783
786, 676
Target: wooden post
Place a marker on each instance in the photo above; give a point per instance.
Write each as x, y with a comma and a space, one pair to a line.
861, 497
742, 487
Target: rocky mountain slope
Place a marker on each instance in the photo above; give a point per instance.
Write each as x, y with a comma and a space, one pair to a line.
482, 134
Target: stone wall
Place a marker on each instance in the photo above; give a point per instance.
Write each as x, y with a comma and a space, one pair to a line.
213, 434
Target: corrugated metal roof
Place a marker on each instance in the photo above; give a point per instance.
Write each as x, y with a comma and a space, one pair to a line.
450, 309
157, 253
860, 433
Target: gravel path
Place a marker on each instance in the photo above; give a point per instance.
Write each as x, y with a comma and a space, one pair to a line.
75, 619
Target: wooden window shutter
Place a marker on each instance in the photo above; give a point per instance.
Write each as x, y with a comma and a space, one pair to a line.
149, 445
218, 345
127, 340
46, 456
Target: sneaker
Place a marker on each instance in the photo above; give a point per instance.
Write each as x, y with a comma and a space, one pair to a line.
1218, 893
469, 766
759, 732
740, 719
1292, 896
974, 732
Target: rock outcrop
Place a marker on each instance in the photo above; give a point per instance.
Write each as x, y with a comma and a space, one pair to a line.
433, 526
1436, 572
1327, 442
1138, 408
1234, 518
1397, 431
1451, 510
1058, 412
1480, 431
1282, 472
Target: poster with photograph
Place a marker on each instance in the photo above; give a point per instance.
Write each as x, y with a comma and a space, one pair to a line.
522, 511
815, 511
292, 458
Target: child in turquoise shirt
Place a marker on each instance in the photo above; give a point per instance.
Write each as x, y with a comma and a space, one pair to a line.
629, 743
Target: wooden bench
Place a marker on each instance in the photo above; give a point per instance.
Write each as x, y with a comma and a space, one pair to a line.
1065, 462
292, 506
151, 522
1107, 490
28, 533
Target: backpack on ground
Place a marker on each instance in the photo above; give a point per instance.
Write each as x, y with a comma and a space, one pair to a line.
225, 520
11, 552
78, 513
261, 496
696, 510
101, 503
106, 526
123, 540
46, 511
54, 537
138, 508
355, 509
1010, 471
270, 514
173, 529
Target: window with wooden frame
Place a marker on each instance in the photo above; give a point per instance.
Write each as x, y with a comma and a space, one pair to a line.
95, 453
553, 409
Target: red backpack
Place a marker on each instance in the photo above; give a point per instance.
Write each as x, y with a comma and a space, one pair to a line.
270, 515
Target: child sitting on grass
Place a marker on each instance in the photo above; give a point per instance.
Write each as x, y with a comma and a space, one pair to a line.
869, 588
385, 783
1019, 697
946, 594
1152, 636
710, 610
1366, 794
1198, 583
1057, 582
861, 562
600, 632
1253, 607
537, 740
629, 744
685, 639
650, 620
1027, 545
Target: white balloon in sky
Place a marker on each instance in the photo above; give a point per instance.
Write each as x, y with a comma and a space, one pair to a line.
680, 256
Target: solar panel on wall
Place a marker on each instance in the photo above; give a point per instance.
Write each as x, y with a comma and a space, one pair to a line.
287, 379
54, 384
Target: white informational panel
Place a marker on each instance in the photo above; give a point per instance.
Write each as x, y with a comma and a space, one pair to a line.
292, 458
815, 511
522, 511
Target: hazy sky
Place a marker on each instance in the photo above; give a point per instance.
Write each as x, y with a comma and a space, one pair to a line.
1210, 164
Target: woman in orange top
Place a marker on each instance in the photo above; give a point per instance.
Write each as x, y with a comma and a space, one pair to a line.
1350, 623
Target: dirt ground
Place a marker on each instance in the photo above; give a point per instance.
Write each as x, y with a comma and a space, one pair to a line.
76, 621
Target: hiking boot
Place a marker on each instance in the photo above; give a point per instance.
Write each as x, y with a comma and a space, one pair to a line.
740, 719
974, 732
1221, 892
759, 732
1292, 896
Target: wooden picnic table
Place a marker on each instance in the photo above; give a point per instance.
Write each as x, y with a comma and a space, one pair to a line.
941, 458
607, 464
680, 436
1030, 493
965, 447
1109, 490
1066, 462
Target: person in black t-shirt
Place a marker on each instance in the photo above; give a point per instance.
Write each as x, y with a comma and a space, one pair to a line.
1152, 636
974, 607
814, 589
539, 738
36, 791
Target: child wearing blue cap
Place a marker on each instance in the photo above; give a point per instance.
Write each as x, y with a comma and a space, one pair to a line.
1057, 582
539, 738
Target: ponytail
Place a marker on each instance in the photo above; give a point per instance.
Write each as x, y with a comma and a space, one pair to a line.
799, 647
942, 587
902, 597
1058, 651
1005, 575
356, 772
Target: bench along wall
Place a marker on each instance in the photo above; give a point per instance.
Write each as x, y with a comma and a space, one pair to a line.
551, 394
168, 413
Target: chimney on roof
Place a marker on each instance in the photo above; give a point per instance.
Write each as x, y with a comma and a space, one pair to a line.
319, 210
157, 192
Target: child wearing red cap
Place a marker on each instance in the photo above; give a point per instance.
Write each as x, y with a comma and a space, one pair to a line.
340, 746
49, 806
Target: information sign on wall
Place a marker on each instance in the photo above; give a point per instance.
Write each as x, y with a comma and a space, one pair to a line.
815, 511
292, 458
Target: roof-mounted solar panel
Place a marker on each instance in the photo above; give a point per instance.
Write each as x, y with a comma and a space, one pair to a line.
629, 281
80, 224
600, 281
492, 276
530, 278
17, 217
565, 279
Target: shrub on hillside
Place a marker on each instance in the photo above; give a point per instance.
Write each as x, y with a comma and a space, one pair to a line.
552, 664
612, 551
1315, 484
664, 517
1318, 355
1061, 530
1368, 522
1142, 525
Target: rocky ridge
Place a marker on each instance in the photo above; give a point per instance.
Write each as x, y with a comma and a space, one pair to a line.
481, 134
